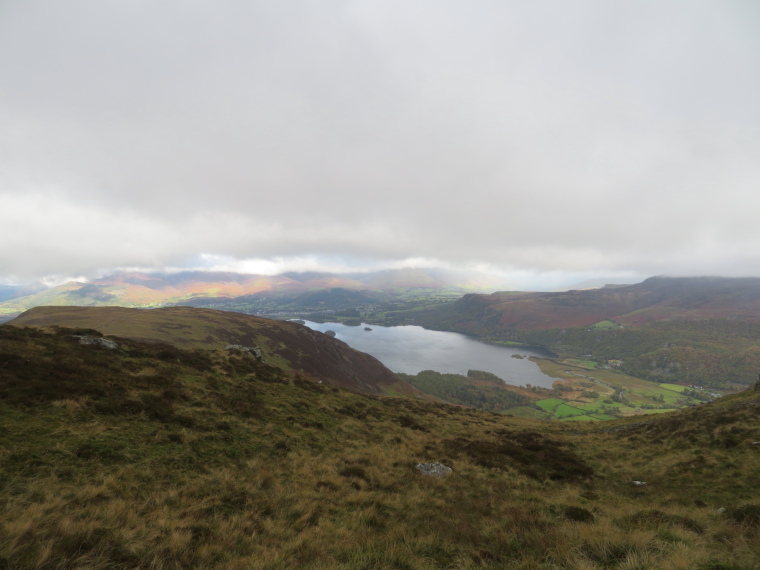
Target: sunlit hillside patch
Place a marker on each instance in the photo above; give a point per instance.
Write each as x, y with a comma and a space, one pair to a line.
607, 325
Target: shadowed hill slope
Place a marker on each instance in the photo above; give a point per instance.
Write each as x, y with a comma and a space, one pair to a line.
656, 299
154, 457
285, 344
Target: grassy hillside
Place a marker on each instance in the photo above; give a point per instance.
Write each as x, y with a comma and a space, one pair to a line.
153, 457
283, 344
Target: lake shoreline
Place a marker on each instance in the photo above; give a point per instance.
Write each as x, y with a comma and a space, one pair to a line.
411, 349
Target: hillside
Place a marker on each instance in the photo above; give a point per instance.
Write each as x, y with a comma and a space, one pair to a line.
149, 456
701, 331
655, 299
284, 344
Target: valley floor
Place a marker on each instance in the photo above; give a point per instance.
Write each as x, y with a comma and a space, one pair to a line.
585, 391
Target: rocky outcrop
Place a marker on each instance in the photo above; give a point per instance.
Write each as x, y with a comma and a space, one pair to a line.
86, 340
433, 469
254, 351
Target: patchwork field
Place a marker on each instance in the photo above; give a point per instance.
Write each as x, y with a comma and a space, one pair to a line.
584, 392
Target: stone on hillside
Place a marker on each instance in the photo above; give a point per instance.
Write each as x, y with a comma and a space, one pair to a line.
254, 351
95, 341
433, 469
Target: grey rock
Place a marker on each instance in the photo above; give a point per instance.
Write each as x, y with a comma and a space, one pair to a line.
254, 351
85, 340
433, 469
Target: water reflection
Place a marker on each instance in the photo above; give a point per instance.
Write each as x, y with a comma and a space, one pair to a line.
411, 349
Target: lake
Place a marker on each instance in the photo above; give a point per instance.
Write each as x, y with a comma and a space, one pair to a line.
411, 349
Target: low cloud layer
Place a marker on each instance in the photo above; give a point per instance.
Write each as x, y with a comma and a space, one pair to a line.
583, 137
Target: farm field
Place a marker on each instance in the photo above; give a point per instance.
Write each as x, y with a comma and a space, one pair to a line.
584, 392
550, 404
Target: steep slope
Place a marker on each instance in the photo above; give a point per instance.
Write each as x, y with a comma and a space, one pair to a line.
285, 344
153, 457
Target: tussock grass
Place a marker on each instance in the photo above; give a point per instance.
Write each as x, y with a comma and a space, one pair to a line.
136, 460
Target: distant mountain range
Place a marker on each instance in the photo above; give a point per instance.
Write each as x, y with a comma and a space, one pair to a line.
328, 290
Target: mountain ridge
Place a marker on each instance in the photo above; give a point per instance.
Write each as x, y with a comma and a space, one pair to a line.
285, 344
654, 299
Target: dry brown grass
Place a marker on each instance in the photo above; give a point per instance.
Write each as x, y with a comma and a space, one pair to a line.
259, 471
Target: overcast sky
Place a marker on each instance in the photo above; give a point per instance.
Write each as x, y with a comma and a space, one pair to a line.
549, 140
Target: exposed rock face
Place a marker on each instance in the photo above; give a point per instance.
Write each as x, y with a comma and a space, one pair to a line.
94, 341
433, 469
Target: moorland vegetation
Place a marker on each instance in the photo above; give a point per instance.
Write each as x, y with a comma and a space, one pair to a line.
151, 456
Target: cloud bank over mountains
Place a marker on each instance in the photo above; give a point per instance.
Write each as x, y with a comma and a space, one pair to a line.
586, 138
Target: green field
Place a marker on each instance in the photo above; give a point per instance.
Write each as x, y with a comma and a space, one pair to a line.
550, 404
583, 418
627, 394
566, 410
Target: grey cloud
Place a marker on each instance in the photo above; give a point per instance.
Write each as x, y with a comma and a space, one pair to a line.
575, 136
